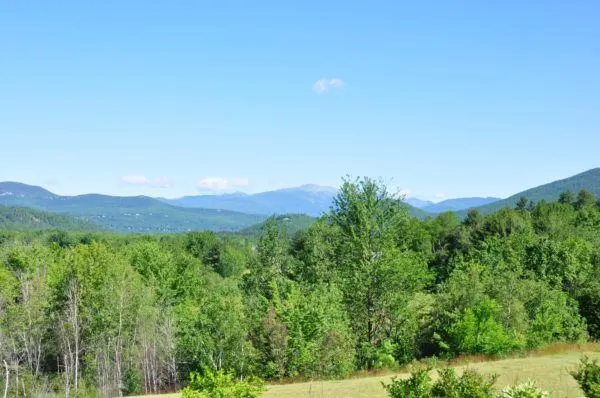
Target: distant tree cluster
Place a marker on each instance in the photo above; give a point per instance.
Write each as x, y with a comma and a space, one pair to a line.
366, 286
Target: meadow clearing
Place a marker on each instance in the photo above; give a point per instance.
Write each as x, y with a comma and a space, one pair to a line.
551, 371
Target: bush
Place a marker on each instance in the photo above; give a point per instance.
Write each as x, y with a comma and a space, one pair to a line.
132, 382
209, 384
190, 393
478, 331
417, 386
378, 356
470, 385
588, 377
525, 390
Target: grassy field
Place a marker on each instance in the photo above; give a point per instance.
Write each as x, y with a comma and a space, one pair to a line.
550, 371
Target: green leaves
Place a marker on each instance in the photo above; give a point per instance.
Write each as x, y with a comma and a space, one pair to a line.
588, 377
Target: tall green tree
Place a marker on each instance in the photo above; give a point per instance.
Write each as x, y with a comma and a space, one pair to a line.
375, 275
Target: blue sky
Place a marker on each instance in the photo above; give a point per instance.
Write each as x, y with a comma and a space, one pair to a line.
438, 98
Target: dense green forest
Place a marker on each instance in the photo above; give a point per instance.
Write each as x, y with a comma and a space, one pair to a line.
588, 180
365, 286
22, 218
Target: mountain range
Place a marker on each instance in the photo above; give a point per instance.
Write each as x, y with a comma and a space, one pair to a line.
450, 204
125, 213
230, 212
312, 200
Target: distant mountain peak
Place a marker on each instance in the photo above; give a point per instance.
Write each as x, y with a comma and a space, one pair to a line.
418, 203
312, 188
20, 189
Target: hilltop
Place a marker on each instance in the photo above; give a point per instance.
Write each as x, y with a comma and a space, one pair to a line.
589, 180
457, 204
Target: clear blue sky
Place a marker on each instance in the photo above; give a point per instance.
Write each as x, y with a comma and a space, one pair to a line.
457, 98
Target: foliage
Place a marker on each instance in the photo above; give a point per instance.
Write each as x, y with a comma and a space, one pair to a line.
588, 377
469, 385
479, 331
551, 192
221, 384
419, 385
290, 224
526, 390
364, 287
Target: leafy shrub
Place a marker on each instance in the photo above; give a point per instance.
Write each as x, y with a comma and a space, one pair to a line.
378, 356
209, 384
190, 393
470, 385
479, 332
418, 385
525, 390
588, 377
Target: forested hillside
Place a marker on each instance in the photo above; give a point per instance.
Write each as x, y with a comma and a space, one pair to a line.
458, 204
313, 200
588, 180
22, 218
290, 224
364, 287
126, 214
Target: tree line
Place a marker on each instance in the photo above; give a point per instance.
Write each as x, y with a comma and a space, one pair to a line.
366, 286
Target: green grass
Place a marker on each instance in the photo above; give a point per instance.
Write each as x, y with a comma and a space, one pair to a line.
551, 372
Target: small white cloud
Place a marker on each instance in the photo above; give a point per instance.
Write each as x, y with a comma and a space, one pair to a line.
221, 184
440, 195
324, 85
136, 179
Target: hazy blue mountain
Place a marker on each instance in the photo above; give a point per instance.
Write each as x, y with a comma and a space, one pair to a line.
589, 180
458, 204
418, 203
312, 200
125, 214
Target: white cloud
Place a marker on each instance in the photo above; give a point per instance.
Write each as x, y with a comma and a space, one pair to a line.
220, 184
324, 85
440, 195
136, 179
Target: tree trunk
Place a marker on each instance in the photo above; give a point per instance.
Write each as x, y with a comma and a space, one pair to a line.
7, 376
